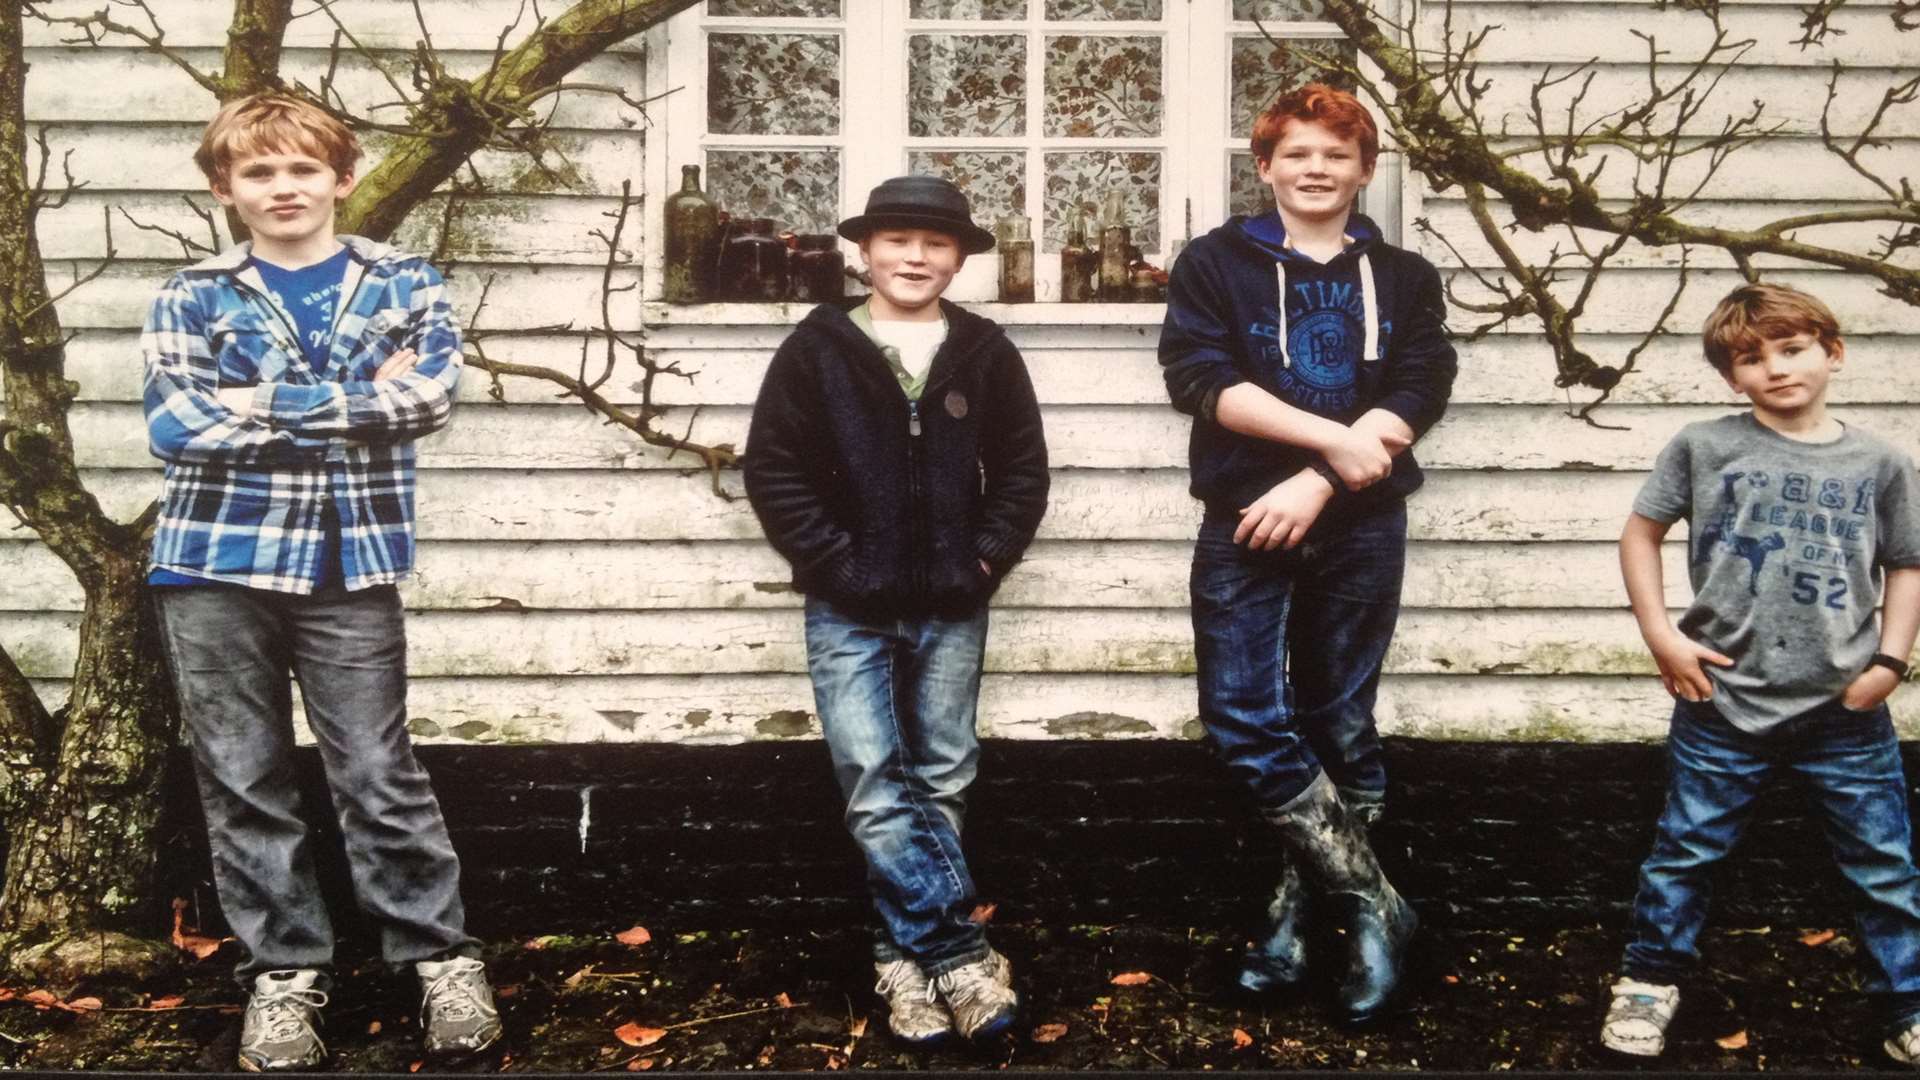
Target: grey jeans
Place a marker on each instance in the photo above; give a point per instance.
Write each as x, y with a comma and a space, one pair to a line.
231, 650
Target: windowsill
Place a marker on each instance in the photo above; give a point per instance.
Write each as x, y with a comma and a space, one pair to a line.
660, 313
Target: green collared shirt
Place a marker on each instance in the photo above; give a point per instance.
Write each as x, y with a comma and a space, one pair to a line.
912, 384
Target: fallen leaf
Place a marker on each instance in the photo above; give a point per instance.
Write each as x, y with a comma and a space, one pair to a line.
858, 1028
86, 1004
1047, 1033
373, 1027
1450, 979
506, 991
573, 981
42, 998
541, 942
637, 935
781, 999
836, 1060
983, 914
634, 1035
1817, 937
6, 993
1131, 978
1241, 1040
1735, 1041
415, 1066
639, 1064
173, 1001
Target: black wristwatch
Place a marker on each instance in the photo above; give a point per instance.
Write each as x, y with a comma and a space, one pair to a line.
1329, 475
1894, 663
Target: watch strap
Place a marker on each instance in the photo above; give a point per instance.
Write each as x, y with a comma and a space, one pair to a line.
1894, 663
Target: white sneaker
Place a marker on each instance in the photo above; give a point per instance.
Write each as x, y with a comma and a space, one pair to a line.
914, 1011
980, 996
281, 1027
1637, 1018
1903, 1046
457, 1013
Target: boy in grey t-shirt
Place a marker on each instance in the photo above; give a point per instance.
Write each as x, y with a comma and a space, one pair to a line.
1794, 519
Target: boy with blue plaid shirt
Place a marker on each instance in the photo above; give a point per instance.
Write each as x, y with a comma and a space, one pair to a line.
286, 380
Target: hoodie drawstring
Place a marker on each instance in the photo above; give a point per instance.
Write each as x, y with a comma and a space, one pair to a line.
1369, 304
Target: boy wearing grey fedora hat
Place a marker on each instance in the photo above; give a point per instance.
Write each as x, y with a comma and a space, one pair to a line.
896, 459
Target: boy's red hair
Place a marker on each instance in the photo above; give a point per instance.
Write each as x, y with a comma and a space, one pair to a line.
1317, 103
1752, 315
269, 124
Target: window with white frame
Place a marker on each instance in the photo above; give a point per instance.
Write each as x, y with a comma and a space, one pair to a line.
795, 109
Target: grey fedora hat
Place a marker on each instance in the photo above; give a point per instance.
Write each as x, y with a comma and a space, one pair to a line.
919, 202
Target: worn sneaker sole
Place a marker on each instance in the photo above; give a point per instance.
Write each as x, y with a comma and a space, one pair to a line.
1633, 1048
1892, 1048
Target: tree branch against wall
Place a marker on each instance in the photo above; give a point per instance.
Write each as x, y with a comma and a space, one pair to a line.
1547, 173
79, 785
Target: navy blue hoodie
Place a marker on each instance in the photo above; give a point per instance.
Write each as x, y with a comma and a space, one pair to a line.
1224, 327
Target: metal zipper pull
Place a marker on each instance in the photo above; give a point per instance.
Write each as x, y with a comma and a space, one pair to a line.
913, 419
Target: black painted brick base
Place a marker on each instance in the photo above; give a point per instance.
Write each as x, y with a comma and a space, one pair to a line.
1480, 835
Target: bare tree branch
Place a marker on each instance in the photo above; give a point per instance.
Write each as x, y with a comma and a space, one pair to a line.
475, 113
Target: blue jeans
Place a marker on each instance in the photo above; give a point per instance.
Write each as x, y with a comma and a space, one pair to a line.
232, 651
1289, 646
896, 699
1851, 763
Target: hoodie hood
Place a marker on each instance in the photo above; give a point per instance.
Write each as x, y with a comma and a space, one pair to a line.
1269, 234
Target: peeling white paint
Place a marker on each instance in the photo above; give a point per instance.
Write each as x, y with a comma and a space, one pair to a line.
586, 815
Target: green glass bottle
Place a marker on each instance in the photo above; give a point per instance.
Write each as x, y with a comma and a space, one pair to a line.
692, 226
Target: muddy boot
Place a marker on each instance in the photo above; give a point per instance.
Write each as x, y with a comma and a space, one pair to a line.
1278, 961
1334, 855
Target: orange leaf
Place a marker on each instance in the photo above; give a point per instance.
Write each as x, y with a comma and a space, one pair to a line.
1735, 1041
373, 1027
6, 993
86, 1004
634, 1035
1131, 978
415, 1066
1241, 1040
42, 998
858, 1028
637, 935
1450, 979
983, 914
639, 1064
1047, 1033
170, 1002
781, 999
1817, 937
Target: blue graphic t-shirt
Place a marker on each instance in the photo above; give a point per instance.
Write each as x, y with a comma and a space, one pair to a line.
1318, 368
1786, 545
309, 295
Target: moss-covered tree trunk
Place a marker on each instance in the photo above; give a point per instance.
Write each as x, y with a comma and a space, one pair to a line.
79, 789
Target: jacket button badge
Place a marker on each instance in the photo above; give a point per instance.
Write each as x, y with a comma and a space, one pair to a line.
956, 404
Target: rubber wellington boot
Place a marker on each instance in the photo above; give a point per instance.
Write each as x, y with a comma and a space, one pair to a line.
1278, 961
1332, 849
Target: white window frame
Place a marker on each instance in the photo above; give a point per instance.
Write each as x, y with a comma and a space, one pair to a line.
1195, 144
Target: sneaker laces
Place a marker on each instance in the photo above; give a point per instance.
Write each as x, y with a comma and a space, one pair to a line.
897, 975
283, 1013
451, 995
960, 993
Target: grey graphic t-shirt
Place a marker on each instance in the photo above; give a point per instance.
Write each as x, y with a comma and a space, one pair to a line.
1786, 547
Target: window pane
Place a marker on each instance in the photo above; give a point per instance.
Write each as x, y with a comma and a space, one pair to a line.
1081, 179
968, 9
1100, 10
995, 180
1262, 72
967, 85
798, 189
1278, 10
1245, 193
773, 84
1103, 87
782, 9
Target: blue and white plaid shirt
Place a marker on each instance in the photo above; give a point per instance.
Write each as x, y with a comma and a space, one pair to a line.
244, 493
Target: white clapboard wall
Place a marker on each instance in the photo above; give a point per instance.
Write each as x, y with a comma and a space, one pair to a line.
577, 586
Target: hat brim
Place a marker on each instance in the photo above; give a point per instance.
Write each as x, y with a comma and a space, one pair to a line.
973, 239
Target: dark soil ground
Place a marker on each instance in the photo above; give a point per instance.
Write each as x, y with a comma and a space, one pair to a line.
755, 1000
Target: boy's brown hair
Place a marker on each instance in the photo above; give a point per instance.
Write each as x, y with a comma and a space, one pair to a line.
1317, 103
1754, 314
273, 123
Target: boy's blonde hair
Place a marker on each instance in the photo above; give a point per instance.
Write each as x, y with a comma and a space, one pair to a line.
1754, 314
273, 123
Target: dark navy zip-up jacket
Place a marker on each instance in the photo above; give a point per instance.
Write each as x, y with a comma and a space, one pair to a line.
1224, 326
883, 505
